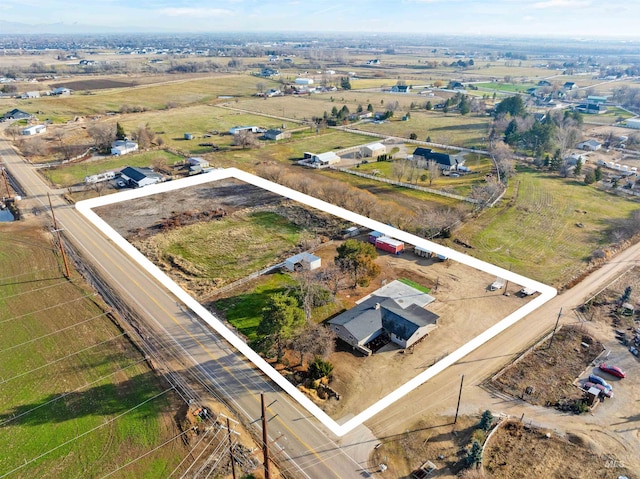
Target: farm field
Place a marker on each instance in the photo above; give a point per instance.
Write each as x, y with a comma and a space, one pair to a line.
612, 116
448, 129
150, 97
77, 399
506, 87
534, 231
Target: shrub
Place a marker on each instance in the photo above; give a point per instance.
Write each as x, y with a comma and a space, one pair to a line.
320, 368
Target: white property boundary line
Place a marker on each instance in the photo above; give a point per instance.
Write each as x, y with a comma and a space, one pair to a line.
546, 292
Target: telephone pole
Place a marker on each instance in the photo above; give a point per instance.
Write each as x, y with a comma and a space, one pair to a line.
265, 440
6, 182
233, 465
554, 328
459, 396
57, 230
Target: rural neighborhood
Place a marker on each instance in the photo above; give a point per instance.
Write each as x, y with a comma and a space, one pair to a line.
319, 256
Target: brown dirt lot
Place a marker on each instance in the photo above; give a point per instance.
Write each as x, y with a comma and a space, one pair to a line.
551, 371
518, 450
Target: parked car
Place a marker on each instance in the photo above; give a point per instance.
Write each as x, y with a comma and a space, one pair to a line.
634, 351
598, 380
613, 370
603, 390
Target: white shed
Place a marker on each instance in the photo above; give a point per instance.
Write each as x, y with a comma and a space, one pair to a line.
374, 150
34, 130
633, 123
122, 147
304, 81
303, 261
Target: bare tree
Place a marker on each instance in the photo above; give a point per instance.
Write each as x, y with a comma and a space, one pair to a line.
102, 134
144, 135
314, 340
244, 139
260, 87
33, 147
434, 171
65, 147
399, 169
503, 157
13, 131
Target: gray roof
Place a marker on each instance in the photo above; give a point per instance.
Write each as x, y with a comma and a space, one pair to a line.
365, 319
137, 174
405, 322
443, 159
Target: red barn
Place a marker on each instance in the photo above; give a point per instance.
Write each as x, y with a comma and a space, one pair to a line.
389, 245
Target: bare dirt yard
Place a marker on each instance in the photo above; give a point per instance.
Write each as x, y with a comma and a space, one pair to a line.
544, 376
519, 450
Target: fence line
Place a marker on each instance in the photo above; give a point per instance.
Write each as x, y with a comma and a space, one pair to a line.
408, 185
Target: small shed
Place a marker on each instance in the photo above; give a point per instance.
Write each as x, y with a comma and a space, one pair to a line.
422, 252
276, 135
34, 130
390, 245
122, 147
196, 161
350, 232
303, 262
188, 136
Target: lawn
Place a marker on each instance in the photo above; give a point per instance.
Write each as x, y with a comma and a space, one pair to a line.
244, 311
534, 229
612, 115
229, 249
506, 87
77, 399
71, 174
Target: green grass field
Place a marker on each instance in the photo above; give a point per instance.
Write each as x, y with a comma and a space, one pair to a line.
244, 311
77, 400
448, 129
231, 248
535, 232
506, 87
71, 174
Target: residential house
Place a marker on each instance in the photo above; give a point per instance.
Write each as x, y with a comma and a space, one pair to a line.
589, 145
304, 81
61, 91
544, 83
323, 159
375, 61
396, 311
444, 160
591, 108
269, 72
34, 130
122, 147
139, 177
569, 86
16, 114
400, 89
276, 135
30, 94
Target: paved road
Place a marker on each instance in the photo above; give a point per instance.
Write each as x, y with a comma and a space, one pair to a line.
308, 450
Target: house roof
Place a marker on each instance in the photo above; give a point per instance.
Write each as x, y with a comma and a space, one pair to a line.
375, 146
440, 158
298, 258
401, 312
328, 156
405, 322
593, 143
138, 174
17, 114
273, 132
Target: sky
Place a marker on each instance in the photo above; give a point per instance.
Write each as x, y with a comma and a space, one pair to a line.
572, 18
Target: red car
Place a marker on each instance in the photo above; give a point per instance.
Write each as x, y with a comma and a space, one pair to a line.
613, 370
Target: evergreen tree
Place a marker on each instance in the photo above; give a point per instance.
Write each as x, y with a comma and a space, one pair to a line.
345, 83
281, 318
626, 296
598, 173
429, 105
475, 454
556, 161
589, 178
370, 108
486, 421
120, 134
578, 168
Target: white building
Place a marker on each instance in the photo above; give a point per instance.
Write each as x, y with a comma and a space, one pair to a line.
634, 123
34, 130
304, 81
590, 145
303, 261
325, 159
373, 150
122, 147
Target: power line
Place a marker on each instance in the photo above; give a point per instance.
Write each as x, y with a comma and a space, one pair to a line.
47, 308
27, 273
52, 333
26, 463
61, 396
38, 289
60, 359
146, 454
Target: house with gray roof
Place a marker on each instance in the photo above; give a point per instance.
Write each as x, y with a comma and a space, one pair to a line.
444, 160
396, 311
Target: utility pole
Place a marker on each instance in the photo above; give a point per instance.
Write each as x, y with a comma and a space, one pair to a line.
459, 396
554, 329
6, 182
233, 465
57, 230
265, 440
